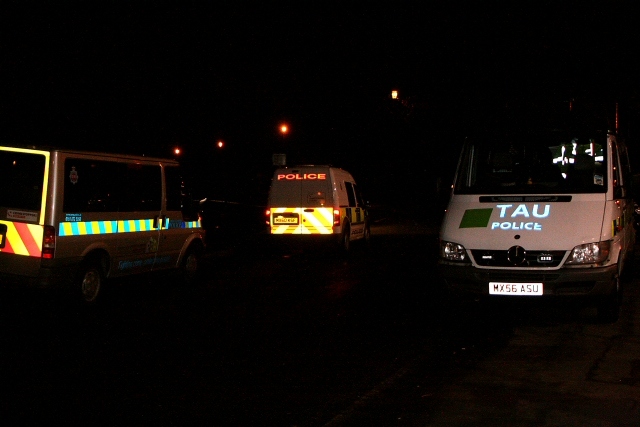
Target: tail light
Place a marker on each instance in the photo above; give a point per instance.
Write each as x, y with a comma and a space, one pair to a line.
48, 242
336, 217
268, 215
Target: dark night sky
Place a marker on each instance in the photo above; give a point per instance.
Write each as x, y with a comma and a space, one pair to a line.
141, 77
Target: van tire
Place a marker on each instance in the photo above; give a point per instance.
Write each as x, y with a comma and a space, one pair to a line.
91, 281
345, 240
367, 234
191, 265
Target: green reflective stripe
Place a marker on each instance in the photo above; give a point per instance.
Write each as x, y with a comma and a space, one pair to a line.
87, 228
473, 218
132, 225
192, 224
84, 228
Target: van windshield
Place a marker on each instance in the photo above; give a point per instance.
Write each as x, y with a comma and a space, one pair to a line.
533, 164
22, 180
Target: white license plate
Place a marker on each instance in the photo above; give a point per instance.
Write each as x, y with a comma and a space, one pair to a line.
285, 220
503, 288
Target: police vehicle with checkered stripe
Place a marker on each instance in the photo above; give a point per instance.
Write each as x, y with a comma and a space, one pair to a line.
317, 201
76, 219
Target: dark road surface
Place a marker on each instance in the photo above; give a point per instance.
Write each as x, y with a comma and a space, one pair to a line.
304, 338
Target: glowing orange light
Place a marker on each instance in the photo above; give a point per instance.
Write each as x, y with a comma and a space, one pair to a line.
220, 144
176, 151
394, 94
284, 129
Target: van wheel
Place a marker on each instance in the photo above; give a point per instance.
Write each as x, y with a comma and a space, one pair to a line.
91, 282
191, 266
367, 234
346, 239
609, 306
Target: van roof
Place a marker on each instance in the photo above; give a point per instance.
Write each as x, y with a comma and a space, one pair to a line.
91, 153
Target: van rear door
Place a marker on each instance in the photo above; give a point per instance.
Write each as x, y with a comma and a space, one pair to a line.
23, 190
301, 201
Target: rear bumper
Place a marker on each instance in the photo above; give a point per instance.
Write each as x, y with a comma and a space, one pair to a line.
565, 282
44, 278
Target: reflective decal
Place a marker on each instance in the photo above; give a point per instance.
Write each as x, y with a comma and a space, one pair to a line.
71, 217
306, 221
473, 218
82, 228
73, 176
21, 239
480, 218
523, 210
304, 176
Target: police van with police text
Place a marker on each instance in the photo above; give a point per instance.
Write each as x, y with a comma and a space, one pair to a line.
540, 214
317, 201
72, 218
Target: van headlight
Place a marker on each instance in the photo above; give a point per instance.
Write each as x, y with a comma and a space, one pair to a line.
453, 252
590, 253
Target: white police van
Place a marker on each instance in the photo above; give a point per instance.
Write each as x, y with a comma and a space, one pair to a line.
540, 214
317, 201
73, 218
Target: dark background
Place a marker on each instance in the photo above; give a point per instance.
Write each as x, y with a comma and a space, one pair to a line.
145, 77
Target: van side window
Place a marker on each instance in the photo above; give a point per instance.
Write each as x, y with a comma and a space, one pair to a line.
144, 188
174, 188
89, 186
621, 171
100, 186
351, 195
625, 170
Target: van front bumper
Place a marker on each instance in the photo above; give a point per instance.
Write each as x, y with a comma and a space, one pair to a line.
588, 282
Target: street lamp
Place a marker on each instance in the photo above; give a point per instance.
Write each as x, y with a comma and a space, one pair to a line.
280, 159
220, 144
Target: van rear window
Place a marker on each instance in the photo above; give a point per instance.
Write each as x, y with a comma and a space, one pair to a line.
22, 180
300, 193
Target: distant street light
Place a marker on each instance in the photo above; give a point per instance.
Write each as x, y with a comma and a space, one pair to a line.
177, 151
220, 144
280, 159
394, 94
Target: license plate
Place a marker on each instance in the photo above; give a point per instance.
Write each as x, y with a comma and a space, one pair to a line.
285, 220
502, 288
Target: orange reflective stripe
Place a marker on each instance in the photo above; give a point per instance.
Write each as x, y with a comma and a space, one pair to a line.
23, 239
27, 238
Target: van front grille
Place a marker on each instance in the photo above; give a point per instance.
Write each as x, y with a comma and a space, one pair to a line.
493, 258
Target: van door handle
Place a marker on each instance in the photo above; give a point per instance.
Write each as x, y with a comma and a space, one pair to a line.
158, 221
308, 210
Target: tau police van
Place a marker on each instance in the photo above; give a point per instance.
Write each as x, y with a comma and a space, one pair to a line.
540, 214
78, 218
317, 201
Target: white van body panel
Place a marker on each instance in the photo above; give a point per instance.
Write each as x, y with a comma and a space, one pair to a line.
541, 225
